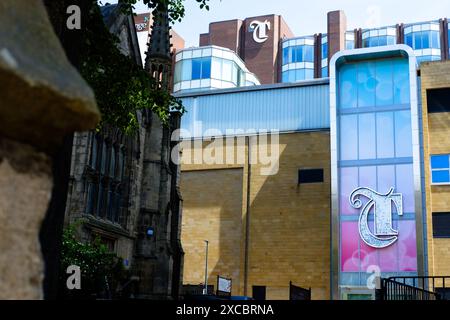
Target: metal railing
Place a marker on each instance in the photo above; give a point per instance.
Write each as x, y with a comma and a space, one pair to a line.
415, 288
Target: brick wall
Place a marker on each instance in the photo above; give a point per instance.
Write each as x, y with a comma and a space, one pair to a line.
436, 141
289, 225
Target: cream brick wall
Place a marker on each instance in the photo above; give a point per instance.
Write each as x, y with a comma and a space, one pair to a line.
289, 230
436, 141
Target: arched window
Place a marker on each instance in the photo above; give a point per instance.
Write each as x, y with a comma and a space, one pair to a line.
94, 152
112, 165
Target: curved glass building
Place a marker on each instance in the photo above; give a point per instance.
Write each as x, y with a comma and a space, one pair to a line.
298, 59
209, 68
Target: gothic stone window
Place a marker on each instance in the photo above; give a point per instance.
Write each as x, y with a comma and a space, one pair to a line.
105, 179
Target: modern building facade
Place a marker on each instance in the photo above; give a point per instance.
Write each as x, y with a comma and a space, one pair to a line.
271, 51
354, 185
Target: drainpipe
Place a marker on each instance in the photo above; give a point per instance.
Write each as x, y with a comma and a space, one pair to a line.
247, 214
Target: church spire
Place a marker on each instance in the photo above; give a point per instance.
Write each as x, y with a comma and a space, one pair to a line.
159, 59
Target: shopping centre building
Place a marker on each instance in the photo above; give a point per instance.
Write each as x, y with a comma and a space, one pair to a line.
322, 160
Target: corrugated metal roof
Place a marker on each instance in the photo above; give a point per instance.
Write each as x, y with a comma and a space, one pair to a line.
289, 107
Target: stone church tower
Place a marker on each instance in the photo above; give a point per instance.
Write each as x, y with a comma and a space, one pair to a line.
125, 190
158, 250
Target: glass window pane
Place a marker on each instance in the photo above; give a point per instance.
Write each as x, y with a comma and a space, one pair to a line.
385, 135
235, 73
291, 76
309, 54
366, 84
325, 73
386, 178
366, 136
426, 40
186, 70
385, 83
325, 50
309, 74
403, 135
177, 74
206, 68
298, 54
285, 77
227, 69
349, 45
401, 82
216, 68
435, 41
286, 55
348, 137
440, 162
299, 74
196, 69
382, 41
441, 176
417, 40
347, 86
409, 39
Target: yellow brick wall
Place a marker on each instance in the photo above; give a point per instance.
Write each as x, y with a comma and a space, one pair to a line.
212, 210
289, 230
436, 141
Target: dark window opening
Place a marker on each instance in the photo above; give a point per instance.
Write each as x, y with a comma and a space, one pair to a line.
438, 100
441, 225
310, 176
259, 293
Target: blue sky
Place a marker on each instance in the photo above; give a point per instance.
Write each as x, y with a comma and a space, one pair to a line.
308, 17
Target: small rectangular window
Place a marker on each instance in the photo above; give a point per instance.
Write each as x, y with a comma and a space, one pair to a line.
440, 169
438, 100
441, 224
310, 176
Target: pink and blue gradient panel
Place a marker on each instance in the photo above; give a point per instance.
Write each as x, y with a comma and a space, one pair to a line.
356, 256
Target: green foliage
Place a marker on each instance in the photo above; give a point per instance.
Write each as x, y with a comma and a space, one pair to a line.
101, 270
176, 7
120, 86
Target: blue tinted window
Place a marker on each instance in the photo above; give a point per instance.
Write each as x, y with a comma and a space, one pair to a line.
441, 176
299, 74
348, 93
291, 76
385, 135
309, 54
440, 162
325, 50
435, 41
298, 54
366, 84
325, 72
196, 69
349, 137
403, 136
286, 55
285, 76
349, 44
186, 70
401, 82
385, 85
409, 39
309, 74
367, 136
201, 68
206, 68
